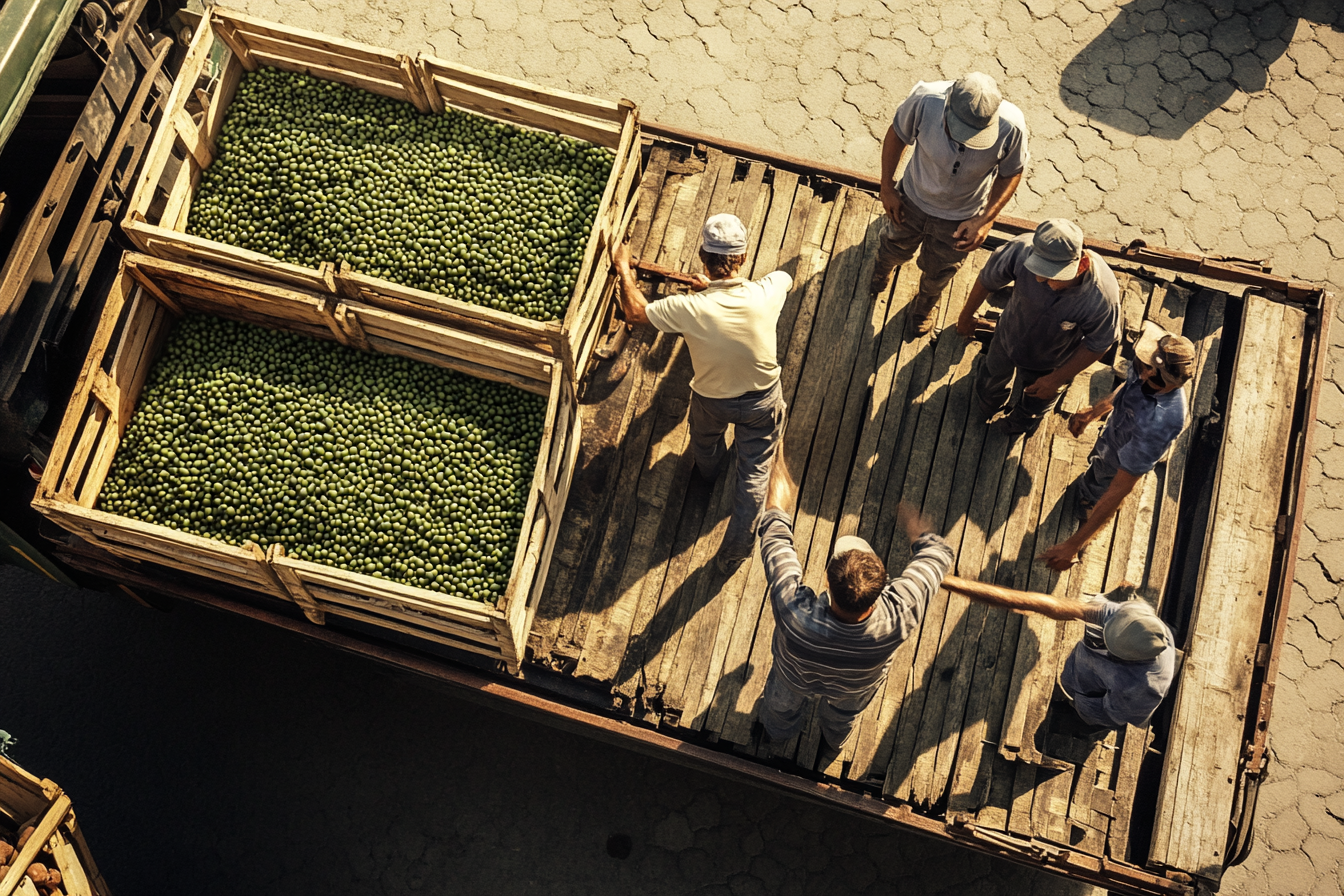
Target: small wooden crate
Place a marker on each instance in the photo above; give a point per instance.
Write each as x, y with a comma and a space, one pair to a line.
146, 297
229, 43
57, 841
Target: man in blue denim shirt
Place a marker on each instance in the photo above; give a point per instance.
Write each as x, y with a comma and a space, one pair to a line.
1147, 414
1119, 672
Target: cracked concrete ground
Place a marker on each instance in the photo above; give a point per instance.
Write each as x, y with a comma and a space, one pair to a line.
1207, 125
1214, 126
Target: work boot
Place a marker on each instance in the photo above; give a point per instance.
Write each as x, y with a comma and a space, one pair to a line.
923, 315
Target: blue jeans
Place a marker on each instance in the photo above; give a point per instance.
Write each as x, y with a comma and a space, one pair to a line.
1100, 471
758, 421
784, 709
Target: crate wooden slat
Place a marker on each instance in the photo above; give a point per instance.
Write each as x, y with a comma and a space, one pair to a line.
144, 300
157, 214
27, 799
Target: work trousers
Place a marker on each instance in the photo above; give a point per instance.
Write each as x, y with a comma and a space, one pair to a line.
938, 260
757, 419
994, 386
1093, 484
784, 710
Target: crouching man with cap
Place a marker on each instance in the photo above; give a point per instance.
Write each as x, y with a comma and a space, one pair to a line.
1148, 412
1063, 314
729, 327
837, 645
970, 149
1119, 672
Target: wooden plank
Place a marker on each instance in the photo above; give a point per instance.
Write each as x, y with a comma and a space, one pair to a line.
693, 600
45, 828
635, 548
815, 232
248, 27
842, 417
1172, 469
569, 102
793, 211
529, 114
1198, 777
1136, 741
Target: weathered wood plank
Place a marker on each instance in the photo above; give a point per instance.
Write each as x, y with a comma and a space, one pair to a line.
1198, 777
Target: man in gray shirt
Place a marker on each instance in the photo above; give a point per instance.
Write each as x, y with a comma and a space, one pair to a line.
1064, 313
1119, 672
970, 149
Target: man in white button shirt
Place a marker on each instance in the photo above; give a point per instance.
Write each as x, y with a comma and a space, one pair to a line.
970, 149
729, 327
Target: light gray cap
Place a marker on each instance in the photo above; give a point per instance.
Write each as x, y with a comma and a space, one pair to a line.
973, 110
725, 234
846, 543
1134, 632
1056, 250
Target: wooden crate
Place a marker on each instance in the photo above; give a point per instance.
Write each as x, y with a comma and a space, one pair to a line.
57, 841
146, 297
228, 44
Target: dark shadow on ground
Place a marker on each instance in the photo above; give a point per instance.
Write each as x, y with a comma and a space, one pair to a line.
1159, 68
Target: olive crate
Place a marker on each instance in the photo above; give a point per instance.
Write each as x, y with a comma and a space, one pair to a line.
57, 842
145, 299
228, 43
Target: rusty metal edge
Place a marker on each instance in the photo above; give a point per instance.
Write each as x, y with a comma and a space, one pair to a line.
1214, 268
1118, 877
1255, 763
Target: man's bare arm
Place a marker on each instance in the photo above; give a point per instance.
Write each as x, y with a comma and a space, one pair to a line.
1063, 555
1012, 599
967, 320
780, 490
893, 147
632, 300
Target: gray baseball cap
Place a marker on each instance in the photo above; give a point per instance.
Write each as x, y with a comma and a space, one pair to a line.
846, 543
725, 234
973, 110
1056, 250
1134, 632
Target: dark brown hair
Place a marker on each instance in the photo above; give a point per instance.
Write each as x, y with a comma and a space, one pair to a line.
721, 267
855, 579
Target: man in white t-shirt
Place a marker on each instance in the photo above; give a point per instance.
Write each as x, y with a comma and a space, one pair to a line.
729, 327
970, 149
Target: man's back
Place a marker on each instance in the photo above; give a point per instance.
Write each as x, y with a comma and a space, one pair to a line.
817, 652
729, 329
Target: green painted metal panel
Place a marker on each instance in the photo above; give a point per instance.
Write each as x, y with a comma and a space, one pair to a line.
16, 550
30, 32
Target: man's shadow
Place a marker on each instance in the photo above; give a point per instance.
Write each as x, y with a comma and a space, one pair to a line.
1159, 68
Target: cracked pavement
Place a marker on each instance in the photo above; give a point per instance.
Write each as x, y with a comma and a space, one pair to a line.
1214, 126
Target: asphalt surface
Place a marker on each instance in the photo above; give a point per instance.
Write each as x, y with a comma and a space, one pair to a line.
228, 756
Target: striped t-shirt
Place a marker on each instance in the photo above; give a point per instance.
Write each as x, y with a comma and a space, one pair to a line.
817, 653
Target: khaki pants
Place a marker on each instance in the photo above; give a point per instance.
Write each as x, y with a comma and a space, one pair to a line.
938, 261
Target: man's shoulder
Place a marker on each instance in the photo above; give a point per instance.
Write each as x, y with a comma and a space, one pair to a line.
1106, 287
1011, 255
924, 89
1010, 113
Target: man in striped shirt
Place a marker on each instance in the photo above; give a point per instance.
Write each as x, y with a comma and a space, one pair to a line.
837, 645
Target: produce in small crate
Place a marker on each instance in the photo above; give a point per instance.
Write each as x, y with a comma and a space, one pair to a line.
46, 878
478, 210
366, 462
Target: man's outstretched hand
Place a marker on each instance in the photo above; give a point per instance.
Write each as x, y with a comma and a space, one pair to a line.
912, 520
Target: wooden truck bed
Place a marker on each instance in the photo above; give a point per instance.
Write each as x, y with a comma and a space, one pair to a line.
635, 607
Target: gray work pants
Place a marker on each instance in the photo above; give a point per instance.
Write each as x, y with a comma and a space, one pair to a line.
758, 421
938, 261
784, 710
993, 387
